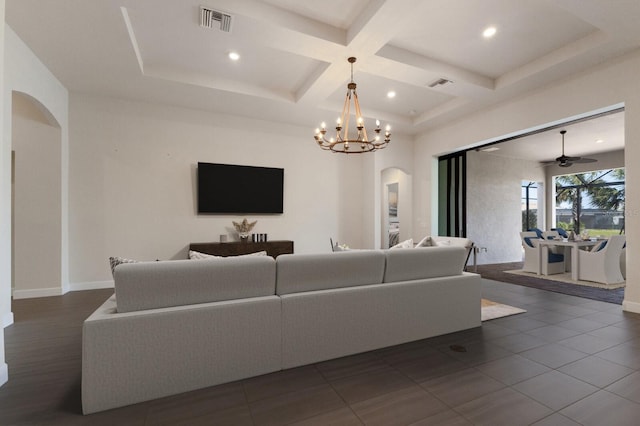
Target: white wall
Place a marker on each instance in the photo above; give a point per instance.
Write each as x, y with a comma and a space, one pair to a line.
5, 216
23, 72
37, 256
605, 86
132, 183
494, 213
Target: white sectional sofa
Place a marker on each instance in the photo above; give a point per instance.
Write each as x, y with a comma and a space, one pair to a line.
188, 324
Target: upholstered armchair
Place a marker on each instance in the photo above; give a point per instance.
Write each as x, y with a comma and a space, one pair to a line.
553, 263
603, 265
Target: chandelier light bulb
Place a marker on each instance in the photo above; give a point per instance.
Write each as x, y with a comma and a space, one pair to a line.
377, 123
323, 125
339, 121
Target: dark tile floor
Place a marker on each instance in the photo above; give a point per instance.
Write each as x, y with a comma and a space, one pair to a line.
566, 361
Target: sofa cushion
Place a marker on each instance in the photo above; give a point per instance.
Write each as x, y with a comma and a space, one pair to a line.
150, 285
309, 272
424, 262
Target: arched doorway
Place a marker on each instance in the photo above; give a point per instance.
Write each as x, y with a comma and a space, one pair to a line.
36, 238
397, 206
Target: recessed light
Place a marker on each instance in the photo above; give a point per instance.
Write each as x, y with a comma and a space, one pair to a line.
599, 141
234, 56
391, 94
489, 32
489, 149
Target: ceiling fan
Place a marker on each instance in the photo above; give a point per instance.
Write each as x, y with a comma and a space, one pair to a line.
566, 161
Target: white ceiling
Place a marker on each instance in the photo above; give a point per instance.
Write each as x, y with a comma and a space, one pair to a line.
584, 138
293, 66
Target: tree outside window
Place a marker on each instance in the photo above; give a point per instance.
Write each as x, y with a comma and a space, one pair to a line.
592, 202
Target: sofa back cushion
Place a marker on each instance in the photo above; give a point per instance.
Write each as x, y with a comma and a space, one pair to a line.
151, 285
309, 272
424, 262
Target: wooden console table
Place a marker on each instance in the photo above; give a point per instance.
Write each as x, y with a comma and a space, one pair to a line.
273, 248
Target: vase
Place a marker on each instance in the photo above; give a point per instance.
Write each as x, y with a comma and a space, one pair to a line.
244, 237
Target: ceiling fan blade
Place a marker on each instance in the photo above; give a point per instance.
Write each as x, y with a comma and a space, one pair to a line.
583, 160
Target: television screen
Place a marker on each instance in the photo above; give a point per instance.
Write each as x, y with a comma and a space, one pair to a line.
227, 188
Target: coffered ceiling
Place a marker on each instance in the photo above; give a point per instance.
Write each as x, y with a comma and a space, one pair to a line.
293, 53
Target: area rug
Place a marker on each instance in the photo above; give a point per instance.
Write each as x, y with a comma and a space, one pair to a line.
496, 271
566, 278
492, 310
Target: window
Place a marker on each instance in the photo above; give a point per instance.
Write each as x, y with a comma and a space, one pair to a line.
529, 205
592, 202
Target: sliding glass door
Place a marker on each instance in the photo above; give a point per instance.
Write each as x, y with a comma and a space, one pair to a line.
452, 195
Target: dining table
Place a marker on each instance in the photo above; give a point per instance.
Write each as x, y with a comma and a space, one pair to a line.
573, 246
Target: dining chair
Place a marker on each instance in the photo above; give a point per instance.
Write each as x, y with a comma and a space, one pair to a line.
602, 266
561, 232
553, 263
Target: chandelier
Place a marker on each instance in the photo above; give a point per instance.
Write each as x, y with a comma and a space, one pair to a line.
359, 142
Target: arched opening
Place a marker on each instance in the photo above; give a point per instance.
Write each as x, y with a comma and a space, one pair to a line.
397, 206
36, 237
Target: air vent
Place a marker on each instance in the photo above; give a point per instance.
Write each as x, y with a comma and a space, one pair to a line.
210, 18
440, 82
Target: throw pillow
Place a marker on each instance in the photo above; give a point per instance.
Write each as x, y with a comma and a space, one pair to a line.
341, 247
258, 253
196, 255
115, 261
405, 244
425, 242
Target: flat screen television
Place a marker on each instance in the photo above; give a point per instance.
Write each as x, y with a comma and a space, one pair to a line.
228, 188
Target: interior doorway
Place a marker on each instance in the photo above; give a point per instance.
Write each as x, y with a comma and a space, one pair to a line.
396, 208
36, 225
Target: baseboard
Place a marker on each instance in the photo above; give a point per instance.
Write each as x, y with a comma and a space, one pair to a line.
7, 319
37, 292
633, 307
4, 373
92, 285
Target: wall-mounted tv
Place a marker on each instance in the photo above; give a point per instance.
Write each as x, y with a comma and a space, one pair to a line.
228, 188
